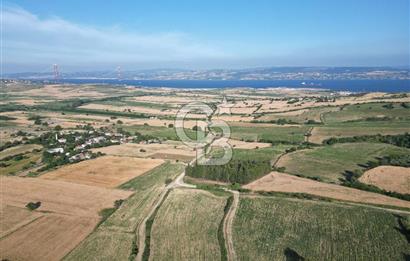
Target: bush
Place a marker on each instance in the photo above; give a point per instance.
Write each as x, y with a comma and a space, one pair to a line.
33, 206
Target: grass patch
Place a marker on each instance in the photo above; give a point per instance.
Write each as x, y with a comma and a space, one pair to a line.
272, 134
330, 162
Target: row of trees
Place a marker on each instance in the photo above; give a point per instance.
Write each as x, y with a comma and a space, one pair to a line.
401, 140
352, 177
236, 171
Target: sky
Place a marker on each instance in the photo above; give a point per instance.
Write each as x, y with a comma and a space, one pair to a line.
102, 35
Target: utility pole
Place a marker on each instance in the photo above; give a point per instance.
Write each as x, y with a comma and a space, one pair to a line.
119, 73
56, 71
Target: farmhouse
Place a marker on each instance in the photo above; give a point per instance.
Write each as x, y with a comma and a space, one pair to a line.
55, 150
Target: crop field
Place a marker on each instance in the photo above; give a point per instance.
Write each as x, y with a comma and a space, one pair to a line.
135, 109
359, 128
107, 171
281, 182
267, 153
115, 237
300, 116
59, 196
390, 178
279, 229
159, 132
67, 214
328, 163
18, 150
176, 149
15, 217
273, 133
15, 166
186, 226
364, 111
46, 238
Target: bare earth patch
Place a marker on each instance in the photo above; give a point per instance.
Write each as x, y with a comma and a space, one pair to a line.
107, 171
281, 182
390, 178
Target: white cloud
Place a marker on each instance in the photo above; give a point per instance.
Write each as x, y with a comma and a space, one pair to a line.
28, 39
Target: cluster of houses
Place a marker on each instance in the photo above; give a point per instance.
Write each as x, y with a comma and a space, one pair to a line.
95, 139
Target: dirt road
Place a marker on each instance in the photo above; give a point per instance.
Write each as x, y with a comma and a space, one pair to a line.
227, 227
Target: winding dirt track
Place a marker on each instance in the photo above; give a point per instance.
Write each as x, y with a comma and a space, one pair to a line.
178, 182
142, 227
227, 226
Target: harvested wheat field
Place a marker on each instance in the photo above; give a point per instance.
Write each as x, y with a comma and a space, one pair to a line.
14, 217
58, 196
49, 237
67, 214
107, 171
148, 150
138, 109
390, 178
281, 182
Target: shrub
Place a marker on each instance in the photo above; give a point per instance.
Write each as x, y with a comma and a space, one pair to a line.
33, 205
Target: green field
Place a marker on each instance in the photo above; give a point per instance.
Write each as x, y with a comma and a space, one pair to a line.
368, 110
129, 102
159, 132
14, 166
275, 134
186, 226
313, 114
277, 228
269, 153
329, 162
359, 128
18, 150
113, 239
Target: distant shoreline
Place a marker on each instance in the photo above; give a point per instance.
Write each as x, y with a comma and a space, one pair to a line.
392, 86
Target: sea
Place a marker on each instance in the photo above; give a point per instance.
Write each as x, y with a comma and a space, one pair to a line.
393, 86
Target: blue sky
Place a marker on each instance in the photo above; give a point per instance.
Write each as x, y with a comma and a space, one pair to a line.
99, 35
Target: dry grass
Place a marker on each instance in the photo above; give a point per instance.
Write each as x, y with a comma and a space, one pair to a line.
281, 182
107, 171
390, 178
